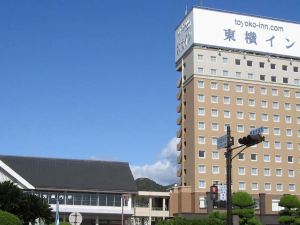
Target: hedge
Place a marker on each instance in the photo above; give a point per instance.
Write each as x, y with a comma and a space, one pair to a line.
9, 219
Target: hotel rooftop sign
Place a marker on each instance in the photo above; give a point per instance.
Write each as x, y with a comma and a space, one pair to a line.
235, 31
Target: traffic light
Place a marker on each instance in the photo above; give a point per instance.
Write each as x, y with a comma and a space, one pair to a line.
251, 139
214, 192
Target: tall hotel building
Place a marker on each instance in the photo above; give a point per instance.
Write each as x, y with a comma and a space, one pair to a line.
244, 72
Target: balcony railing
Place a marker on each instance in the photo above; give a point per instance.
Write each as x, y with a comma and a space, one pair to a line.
179, 132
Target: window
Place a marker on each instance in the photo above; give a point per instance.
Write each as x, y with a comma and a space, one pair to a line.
273, 66
242, 171
240, 115
202, 184
237, 62
261, 64
200, 84
226, 114
277, 158
201, 111
241, 156
290, 159
254, 186
214, 140
252, 116
278, 172
250, 76
238, 74
289, 145
284, 67
285, 80
267, 172
264, 117
251, 102
201, 154
225, 87
200, 57
276, 131
200, 70
254, 171
202, 202
215, 169
264, 104
215, 155
201, 140
289, 132
279, 187
275, 105
226, 100
213, 59
266, 144
298, 120
267, 158
297, 82
263, 91
239, 88
297, 94
291, 173
213, 85
262, 77
239, 101
214, 113
201, 125
295, 69
215, 126
225, 73
276, 118
288, 119
265, 130
253, 157
214, 99
240, 128
202, 169
273, 78
277, 145
292, 187
287, 106
242, 186
251, 89
286, 93
298, 107
249, 63
225, 60
274, 92
201, 98
213, 72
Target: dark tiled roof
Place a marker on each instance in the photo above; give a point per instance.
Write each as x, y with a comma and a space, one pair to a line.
89, 175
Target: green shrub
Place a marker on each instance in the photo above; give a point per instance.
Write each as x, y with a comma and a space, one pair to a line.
61, 223
9, 219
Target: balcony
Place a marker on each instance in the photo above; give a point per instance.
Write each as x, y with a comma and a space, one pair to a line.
179, 158
179, 132
179, 145
178, 108
179, 171
178, 121
179, 82
178, 96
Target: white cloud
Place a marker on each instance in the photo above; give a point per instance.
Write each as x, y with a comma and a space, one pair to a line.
164, 170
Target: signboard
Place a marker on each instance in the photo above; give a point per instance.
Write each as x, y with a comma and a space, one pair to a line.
237, 31
75, 218
222, 142
223, 192
257, 131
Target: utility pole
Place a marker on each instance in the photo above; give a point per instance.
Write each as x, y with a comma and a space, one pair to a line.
228, 155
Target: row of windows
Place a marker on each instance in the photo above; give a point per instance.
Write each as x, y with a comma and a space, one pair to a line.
255, 186
242, 171
72, 198
251, 89
249, 63
253, 157
251, 102
250, 76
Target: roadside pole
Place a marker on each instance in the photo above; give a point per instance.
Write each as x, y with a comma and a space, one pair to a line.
228, 156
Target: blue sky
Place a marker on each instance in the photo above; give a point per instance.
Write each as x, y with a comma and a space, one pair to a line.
95, 79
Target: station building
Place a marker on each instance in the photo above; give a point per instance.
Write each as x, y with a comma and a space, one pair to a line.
244, 72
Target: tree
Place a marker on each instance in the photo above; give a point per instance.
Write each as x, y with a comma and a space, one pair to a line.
290, 214
27, 207
9, 219
243, 206
217, 218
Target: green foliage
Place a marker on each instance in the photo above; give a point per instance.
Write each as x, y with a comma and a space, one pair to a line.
242, 200
146, 184
253, 221
9, 219
61, 223
290, 215
217, 218
26, 207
